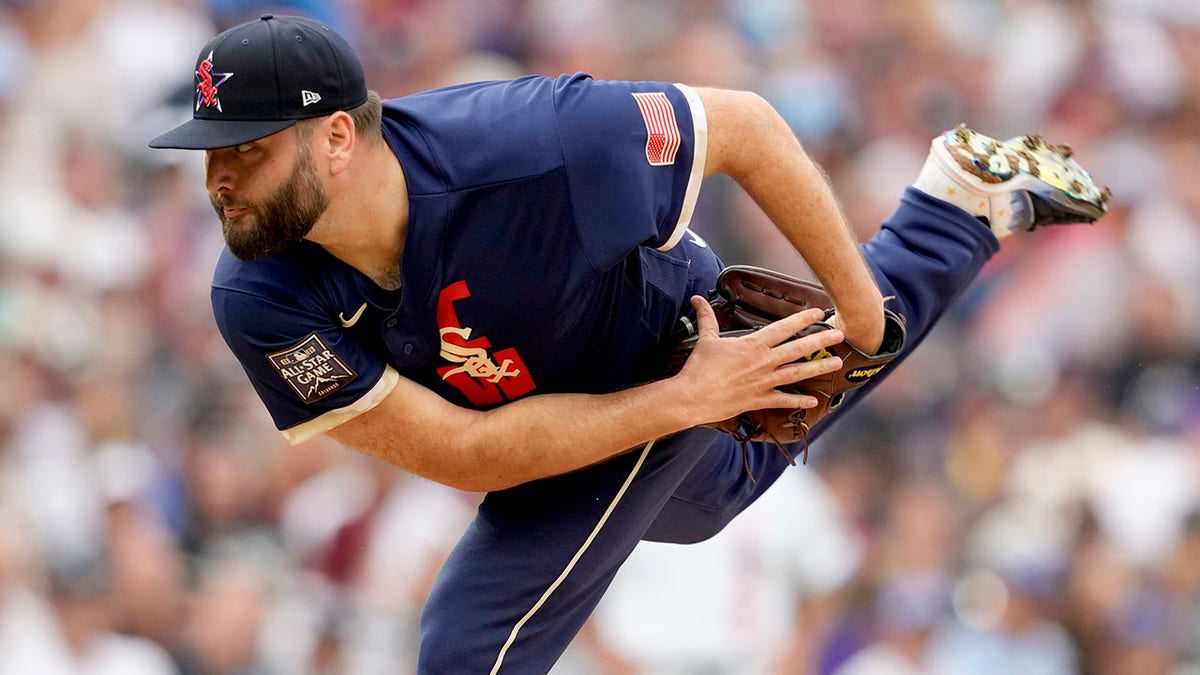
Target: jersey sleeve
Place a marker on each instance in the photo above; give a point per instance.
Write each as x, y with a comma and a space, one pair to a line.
634, 154
309, 372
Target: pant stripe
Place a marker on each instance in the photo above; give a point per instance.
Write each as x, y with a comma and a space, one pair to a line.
512, 637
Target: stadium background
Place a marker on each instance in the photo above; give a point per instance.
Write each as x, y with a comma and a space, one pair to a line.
1023, 496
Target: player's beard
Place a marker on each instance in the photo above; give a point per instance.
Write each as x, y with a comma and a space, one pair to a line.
285, 217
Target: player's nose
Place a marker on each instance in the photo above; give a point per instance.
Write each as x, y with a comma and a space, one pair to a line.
218, 172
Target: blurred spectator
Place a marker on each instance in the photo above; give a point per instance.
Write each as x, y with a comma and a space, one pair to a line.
906, 612
224, 619
72, 630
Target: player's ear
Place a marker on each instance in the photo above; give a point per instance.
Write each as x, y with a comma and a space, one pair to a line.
341, 141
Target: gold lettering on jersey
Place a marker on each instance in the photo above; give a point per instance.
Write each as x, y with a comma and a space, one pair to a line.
475, 361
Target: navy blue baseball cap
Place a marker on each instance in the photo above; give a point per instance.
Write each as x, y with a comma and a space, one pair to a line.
263, 76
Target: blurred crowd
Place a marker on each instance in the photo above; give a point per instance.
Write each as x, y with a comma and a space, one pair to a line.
1021, 496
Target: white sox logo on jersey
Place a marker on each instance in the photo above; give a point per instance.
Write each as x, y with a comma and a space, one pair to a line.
484, 378
475, 360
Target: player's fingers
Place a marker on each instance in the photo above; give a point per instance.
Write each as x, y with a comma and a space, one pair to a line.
809, 347
791, 373
778, 331
706, 319
791, 401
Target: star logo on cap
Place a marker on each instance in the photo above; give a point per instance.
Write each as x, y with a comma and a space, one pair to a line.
207, 82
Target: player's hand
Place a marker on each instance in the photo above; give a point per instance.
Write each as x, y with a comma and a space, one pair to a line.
726, 376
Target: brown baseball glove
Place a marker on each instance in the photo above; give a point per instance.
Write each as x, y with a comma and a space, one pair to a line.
747, 298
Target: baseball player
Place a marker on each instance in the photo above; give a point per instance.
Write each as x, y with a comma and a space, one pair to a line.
477, 284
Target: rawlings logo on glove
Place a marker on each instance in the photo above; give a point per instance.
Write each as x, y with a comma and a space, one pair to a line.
747, 298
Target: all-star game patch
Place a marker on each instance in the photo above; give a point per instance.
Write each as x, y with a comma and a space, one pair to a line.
311, 369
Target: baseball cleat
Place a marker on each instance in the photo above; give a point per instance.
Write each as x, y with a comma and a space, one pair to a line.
1017, 185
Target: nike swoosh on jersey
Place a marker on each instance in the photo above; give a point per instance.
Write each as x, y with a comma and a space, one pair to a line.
346, 323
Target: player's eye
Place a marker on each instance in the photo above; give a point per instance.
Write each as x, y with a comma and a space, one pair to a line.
245, 147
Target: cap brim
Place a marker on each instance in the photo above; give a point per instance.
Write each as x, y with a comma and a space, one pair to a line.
197, 134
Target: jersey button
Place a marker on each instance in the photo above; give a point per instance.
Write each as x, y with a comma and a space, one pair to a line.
408, 348
390, 323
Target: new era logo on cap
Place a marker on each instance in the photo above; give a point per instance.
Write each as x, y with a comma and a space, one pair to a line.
308, 98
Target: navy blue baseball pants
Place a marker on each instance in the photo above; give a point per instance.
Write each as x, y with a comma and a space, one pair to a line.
537, 558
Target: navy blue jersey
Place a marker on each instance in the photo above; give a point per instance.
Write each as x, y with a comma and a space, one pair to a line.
542, 255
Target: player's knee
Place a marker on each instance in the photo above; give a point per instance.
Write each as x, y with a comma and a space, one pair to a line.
681, 522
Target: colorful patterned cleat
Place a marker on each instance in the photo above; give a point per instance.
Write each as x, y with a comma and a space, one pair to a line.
1017, 185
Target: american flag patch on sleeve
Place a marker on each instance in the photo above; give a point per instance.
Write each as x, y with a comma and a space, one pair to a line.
662, 132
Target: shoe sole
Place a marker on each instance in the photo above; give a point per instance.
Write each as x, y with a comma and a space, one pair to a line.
1028, 163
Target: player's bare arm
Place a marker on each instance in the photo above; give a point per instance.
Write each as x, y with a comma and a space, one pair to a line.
540, 436
751, 143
